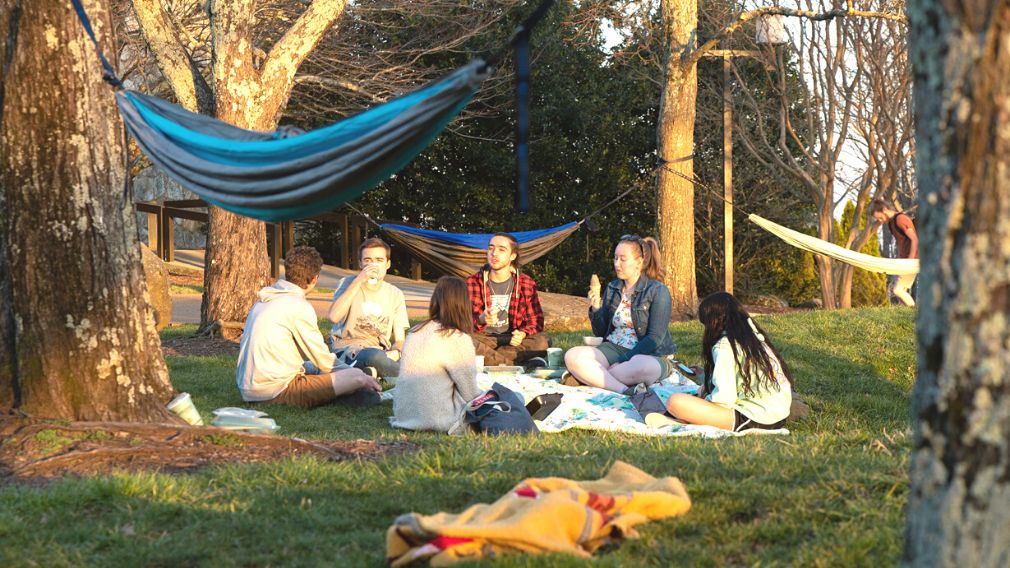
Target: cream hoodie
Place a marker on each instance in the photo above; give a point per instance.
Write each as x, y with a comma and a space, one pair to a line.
280, 334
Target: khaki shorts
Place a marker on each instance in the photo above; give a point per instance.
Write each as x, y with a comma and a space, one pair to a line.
306, 391
613, 352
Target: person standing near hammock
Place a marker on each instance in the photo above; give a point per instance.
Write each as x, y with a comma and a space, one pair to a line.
507, 318
903, 230
633, 317
369, 315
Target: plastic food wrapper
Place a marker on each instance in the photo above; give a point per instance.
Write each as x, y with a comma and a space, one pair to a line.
246, 420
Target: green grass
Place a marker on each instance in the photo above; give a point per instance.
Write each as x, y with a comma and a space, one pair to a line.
831, 494
198, 289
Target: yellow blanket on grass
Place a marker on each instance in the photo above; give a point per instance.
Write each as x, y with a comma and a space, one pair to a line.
550, 514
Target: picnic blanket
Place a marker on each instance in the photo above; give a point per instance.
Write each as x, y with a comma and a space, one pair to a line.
588, 408
539, 515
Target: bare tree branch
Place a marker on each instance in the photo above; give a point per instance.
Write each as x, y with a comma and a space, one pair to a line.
175, 62
692, 57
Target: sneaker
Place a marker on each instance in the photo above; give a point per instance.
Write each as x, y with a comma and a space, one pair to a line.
536, 363
360, 398
636, 389
569, 380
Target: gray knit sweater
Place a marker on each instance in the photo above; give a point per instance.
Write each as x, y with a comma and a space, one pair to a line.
437, 379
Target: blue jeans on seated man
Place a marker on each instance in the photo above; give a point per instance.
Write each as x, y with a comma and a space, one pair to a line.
377, 358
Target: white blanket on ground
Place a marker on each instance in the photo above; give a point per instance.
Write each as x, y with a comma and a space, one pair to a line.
588, 408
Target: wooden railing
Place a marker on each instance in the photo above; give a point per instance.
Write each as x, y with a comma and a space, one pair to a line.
161, 218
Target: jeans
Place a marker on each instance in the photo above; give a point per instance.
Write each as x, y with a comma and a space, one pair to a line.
903, 287
377, 358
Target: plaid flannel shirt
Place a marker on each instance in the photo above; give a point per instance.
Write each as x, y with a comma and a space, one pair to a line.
525, 313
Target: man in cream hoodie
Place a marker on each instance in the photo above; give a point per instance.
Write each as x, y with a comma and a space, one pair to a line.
281, 334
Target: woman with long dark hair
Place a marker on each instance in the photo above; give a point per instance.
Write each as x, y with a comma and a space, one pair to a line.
437, 372
747, 383
632, 315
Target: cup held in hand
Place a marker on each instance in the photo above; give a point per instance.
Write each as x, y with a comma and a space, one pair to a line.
182, 405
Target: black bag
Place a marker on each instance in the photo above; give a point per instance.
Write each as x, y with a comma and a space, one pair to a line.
500, 411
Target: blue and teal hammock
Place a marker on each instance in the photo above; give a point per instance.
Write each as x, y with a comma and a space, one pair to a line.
288, 174
463, 254
279, 176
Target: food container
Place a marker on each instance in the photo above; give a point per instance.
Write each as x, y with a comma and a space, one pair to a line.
503, 370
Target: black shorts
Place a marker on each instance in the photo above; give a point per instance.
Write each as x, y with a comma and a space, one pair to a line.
741, 423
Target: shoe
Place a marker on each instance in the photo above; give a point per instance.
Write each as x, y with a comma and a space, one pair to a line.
569, 380
636, 389
360, 398
535, 363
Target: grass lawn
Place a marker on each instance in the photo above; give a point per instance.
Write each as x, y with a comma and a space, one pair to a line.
175, 289
831, 494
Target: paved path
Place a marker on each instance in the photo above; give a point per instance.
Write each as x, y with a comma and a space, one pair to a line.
186, 307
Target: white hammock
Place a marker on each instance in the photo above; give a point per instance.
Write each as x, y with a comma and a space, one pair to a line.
899, 266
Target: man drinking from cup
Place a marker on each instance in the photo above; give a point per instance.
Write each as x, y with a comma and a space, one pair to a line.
369, 315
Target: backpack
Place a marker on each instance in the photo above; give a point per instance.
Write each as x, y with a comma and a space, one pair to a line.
897, 229
500, 411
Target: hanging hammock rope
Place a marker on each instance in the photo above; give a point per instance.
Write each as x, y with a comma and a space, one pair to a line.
276, 177
288, 174
463, 253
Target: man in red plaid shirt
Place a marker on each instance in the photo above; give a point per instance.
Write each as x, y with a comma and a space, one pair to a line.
507, 319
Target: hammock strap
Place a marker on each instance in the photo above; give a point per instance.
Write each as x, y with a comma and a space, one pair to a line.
108, 73
522, 46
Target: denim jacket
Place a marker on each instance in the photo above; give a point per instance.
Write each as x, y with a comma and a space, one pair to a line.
651, 306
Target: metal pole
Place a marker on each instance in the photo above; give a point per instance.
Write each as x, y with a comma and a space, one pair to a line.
727, 170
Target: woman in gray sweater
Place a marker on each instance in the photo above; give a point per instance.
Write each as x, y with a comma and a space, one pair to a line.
437, 373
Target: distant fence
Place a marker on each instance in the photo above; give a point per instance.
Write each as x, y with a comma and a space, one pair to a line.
161, 218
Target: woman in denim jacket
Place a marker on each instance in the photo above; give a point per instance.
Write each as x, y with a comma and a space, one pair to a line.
633, 317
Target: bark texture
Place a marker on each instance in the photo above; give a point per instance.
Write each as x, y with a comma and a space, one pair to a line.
248, 94
77, 337
959, 504
675, 143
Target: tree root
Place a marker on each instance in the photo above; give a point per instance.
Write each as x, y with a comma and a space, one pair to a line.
230, 330
34, 449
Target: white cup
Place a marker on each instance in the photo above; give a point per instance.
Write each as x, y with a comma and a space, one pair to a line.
554, 357
478, 362
183, 406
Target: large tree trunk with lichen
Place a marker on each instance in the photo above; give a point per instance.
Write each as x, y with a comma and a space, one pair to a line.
77, 336
675, 143
959, 503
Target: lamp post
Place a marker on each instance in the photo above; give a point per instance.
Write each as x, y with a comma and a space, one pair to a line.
770, 30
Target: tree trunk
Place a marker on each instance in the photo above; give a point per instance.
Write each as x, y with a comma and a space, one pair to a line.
844, 279
675, 143
825, 266
959, 500
77, 337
